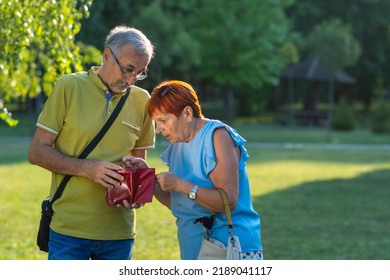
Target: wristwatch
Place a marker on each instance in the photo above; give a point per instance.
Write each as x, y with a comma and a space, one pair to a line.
192, 194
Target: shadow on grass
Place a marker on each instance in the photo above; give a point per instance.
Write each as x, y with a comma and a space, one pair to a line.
328, 220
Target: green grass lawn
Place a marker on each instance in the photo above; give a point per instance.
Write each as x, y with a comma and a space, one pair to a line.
314, 204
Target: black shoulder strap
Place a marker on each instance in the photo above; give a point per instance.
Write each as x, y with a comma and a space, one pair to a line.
93, 143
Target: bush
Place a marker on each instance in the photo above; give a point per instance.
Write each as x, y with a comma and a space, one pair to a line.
380, 116
343, 117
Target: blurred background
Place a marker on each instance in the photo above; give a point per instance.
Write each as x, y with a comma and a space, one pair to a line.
286, 63
305, 82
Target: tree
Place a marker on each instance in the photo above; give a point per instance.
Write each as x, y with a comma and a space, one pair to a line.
242, 40
177, 51
370, 26
37, 44
104, 15
227, 44
221, 44
333, 42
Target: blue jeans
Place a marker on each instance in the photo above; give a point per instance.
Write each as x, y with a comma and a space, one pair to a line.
64, 247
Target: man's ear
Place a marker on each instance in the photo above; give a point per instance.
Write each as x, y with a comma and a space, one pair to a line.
106, 55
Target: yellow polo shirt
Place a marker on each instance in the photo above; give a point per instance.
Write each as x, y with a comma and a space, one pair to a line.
75, 111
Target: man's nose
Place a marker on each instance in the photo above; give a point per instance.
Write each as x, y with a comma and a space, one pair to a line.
130, 79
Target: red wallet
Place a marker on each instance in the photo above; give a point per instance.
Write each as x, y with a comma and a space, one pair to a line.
137, 187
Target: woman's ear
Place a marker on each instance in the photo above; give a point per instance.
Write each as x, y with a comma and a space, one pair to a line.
188, 114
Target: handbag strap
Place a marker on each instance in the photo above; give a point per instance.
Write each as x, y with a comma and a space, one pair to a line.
227, 207
92, 144
208, 221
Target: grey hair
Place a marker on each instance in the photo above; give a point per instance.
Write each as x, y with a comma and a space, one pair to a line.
122, 35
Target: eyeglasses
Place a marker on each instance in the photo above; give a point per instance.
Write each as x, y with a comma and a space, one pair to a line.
166, 90
130, 71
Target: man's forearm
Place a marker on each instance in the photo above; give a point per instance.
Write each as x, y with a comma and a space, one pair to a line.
54, 161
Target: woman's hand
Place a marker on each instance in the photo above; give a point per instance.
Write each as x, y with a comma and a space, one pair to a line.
135, 162
168, 181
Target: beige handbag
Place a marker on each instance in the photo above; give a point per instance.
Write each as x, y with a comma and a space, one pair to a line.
212, 249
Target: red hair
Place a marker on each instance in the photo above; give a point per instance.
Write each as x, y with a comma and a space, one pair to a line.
172, 97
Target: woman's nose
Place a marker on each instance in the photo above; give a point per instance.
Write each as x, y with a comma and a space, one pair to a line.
158, 128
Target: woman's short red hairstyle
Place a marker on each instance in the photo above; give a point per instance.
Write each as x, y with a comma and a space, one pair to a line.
172, 97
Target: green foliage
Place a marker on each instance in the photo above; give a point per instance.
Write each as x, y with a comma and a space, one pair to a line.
343, 117
240, 51
177, 51
104, 15
225, 43
239, 48
89, 55
7, 116
289, 52
333, 42
380, 116
37, 44
215, 44
367, 19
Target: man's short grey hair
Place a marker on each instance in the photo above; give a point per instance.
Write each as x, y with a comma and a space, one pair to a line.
122, 35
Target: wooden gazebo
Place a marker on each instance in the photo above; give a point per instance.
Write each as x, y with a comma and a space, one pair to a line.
315, 70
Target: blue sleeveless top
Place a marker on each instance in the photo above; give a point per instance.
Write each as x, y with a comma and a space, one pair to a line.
193, 161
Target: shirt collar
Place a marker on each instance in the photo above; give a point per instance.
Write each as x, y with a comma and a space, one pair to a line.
96, 79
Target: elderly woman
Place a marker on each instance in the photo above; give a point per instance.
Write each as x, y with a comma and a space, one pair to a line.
204, 155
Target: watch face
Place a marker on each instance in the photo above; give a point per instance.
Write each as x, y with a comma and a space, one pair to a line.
192, 195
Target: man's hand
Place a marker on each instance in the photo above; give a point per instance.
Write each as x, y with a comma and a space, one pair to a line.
103, 172
130, 206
